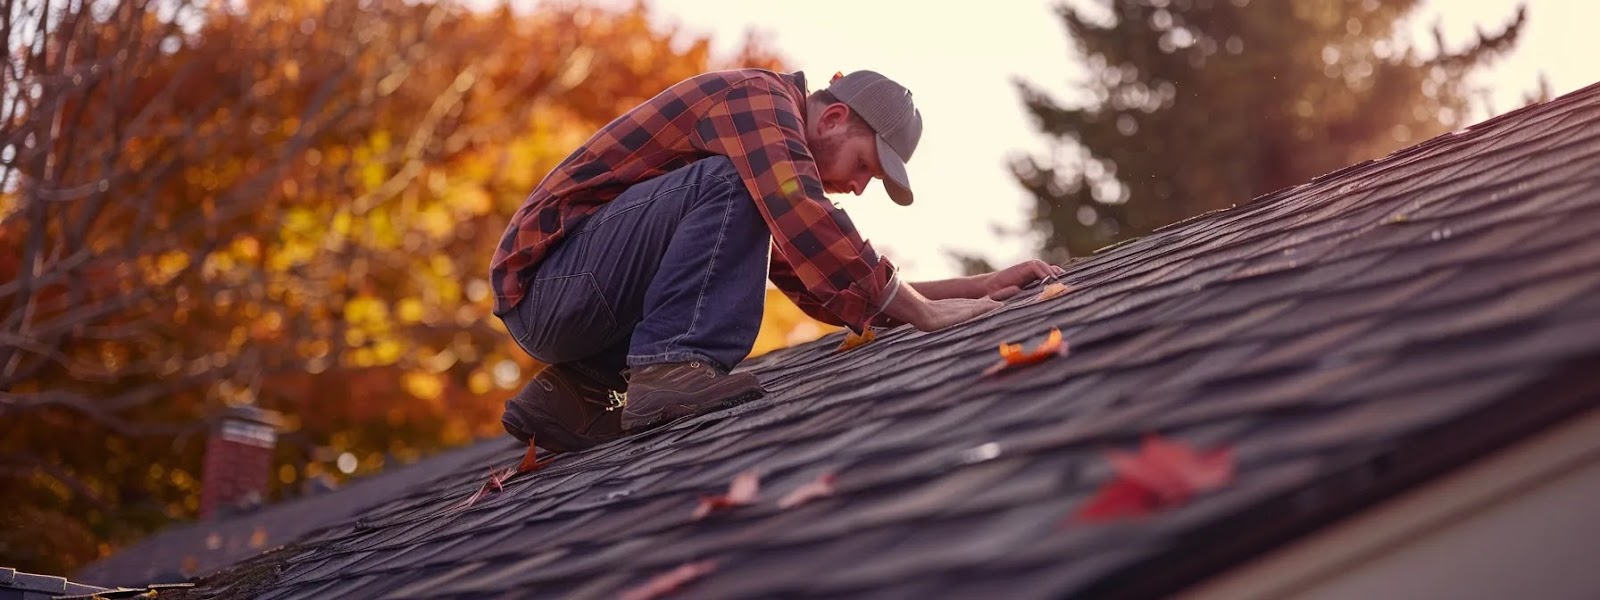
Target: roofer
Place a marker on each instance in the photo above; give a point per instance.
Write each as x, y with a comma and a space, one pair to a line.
640, 263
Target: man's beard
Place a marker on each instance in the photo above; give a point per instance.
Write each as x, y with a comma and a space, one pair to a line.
824, 152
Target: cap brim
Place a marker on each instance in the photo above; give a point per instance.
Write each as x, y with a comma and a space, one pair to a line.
895, 181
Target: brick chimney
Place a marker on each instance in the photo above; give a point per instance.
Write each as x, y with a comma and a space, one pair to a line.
238, 464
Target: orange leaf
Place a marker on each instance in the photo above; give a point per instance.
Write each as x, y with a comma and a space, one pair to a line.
1164, 474
741, 492
851, 340
1052, 290
670, 581
820, 487
1012, 355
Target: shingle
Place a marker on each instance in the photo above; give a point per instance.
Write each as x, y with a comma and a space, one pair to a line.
586, 560
936, 545
508, 574
308, 590
929, 497
1262, 393
422, 583
789, 570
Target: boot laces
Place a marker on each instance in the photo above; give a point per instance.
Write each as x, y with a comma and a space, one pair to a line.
615, 400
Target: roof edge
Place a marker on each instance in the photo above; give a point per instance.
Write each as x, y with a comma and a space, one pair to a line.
1362, 482
1326, 556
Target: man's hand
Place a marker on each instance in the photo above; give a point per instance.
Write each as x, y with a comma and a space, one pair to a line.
1007, 282
912, 307
952, 311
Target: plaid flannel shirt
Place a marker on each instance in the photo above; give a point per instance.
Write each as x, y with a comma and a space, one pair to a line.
755, 118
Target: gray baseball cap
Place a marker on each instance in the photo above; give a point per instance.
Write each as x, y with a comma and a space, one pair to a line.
886, 106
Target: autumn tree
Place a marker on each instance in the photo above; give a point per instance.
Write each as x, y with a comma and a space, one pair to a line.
1195, 105
283, 204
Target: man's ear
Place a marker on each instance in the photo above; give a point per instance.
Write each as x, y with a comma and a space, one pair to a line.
835, 115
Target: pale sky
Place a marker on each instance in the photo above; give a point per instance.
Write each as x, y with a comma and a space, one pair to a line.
959, 59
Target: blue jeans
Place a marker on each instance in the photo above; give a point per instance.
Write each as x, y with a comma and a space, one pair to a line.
673, 270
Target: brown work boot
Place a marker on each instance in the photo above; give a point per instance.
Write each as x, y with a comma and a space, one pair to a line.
664, 392
562, 410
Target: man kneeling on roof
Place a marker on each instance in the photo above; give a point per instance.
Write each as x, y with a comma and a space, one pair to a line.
639, 264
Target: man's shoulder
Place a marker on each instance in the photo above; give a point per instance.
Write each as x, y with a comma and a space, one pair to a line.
713, 81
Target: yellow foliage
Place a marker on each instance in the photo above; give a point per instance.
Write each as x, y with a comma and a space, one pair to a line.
470, 200
436, 221
365, 310
387, 351
341, 224
409, 310
426, 386
170, 264
783, 324
480, 382
247, 248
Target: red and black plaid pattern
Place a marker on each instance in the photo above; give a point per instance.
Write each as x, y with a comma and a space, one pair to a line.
755, 118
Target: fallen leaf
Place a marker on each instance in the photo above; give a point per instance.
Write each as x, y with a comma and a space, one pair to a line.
1012, 355
820, 487
1052, 290
494, 485
851, 340
741, 492
670, 581
1120, 499
530, 461
1163, 474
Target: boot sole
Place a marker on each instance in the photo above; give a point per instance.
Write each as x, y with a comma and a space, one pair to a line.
555, 438
668, 415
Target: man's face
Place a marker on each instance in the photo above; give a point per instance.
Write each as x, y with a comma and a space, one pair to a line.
847, 157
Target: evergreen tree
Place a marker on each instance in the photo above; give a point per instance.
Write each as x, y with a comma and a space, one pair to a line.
1196, 105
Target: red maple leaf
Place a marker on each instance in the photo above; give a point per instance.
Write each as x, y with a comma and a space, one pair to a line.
741, 492
1164, 474
497, 478
530, 461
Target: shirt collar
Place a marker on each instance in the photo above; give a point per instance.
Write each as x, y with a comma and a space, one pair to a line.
798, 79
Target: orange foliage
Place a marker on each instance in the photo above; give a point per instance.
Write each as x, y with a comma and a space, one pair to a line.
291, 204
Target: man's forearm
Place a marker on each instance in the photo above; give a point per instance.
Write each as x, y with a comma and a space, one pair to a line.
927, 314
908, 305
974, 286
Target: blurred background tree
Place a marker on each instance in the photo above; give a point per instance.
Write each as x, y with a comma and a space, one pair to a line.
1196, 105
290, 204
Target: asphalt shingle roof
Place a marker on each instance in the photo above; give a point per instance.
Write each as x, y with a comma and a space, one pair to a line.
206, 546
1348, 338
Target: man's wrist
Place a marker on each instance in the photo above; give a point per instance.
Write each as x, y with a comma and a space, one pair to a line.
983, 284
908, 306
